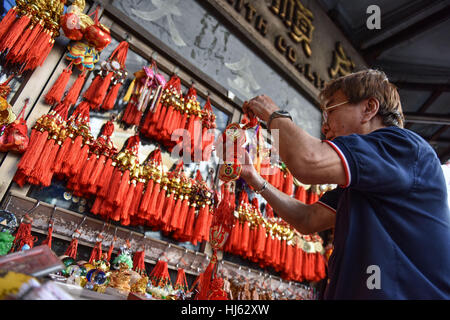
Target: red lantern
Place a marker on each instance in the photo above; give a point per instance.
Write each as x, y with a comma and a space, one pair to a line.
70, 23
98, 36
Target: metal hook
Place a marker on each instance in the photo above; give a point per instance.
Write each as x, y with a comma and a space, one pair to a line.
127, 37
34, 207
50, 221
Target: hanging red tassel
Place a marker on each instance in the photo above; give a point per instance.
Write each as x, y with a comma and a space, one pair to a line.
97, 91
72, 95
111, 96
48, 240
125, 217
151, 211
134, 207
139, 262
96, 252
23, 235
72, 249
39, 50
146, 199
8, 20
189, 226
56, 92
18, 52
205, 283
168, 209
181, 281
14, 32
111, 248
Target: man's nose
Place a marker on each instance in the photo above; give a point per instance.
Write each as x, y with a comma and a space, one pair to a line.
325, 128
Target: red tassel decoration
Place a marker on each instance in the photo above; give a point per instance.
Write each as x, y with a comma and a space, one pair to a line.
72, 95
72, 249
8, 20
189, 226
23, 235
97, 91
14, 32
96, 252
245, 236
48, 240
56, 92
125, 217
139, 262
39, 51
18, 52
150, 218
111, 96
111, 248
134, 207
168, 209
181, 281
146, 199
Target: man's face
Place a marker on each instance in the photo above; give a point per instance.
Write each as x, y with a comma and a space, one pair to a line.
343, 119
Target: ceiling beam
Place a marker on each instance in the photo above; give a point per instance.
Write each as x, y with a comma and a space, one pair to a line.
431, 99
428, 118
443, 87
438, 133
445, 155
372, 52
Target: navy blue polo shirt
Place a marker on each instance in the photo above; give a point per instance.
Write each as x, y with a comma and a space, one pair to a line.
392, 233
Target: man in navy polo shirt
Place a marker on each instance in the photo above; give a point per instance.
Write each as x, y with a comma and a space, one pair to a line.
390, 211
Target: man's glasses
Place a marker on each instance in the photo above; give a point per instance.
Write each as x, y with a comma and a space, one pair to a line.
325, 111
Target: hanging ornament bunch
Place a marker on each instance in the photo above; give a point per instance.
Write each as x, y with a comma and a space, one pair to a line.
44, 150
115, 197
210, 286
271, 242
203, 197
101, 151
143, 92
104, 88
150, 181
160, 119
75, 145
190, 120
27, 33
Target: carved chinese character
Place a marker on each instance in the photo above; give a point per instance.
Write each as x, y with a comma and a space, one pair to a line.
342, 64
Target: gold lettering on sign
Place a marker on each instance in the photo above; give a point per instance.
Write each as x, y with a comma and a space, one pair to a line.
280, 44
298, 19
250, 13
341, 65
261, 25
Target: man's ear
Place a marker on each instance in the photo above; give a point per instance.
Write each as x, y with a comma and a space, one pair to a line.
371, 107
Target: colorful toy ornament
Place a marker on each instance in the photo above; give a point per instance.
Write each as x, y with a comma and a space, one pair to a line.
89, 35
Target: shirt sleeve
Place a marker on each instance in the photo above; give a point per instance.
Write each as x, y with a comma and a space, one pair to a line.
382, 161
330, 199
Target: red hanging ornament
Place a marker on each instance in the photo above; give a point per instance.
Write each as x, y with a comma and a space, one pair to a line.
23, 239
112, 70
139, 261
181, 281
96, 253
55, 94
